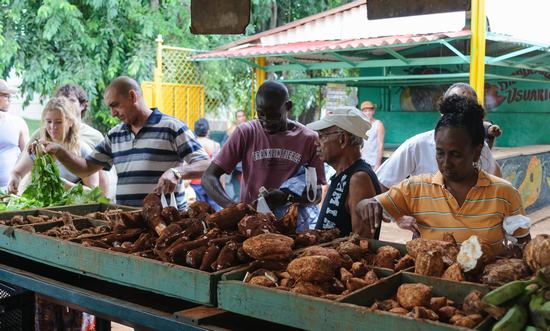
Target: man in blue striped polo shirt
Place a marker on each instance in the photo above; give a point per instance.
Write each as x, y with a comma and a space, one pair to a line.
148, 149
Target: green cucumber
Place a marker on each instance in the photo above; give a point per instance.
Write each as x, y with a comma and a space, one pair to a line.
506, 292
514, 320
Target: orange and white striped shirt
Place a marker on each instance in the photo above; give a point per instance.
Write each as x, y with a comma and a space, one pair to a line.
436, 210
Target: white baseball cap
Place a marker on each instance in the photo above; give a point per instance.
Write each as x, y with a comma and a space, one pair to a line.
5, 89
349, 119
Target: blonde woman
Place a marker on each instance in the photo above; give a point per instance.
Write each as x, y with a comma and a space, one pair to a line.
59, 125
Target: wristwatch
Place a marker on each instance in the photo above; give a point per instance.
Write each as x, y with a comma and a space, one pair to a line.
177, 173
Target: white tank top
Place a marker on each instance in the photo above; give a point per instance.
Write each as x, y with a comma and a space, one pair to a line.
9, 148
370, 145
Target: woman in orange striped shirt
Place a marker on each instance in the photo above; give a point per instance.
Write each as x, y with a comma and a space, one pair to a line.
460, 198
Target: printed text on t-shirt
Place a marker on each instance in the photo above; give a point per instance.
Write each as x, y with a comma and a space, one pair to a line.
277, 153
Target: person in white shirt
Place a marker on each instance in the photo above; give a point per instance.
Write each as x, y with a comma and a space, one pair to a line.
14, 137
417, 154
87, 136
373, 146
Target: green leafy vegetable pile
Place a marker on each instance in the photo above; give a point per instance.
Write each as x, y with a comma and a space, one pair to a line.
47, 189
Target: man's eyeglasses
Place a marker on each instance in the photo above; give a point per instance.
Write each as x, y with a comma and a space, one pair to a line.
323, 136
367, 108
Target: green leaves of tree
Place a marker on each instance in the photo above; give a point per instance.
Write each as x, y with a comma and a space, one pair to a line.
89, 42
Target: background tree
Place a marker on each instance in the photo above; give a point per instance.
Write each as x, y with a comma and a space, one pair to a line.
89, 42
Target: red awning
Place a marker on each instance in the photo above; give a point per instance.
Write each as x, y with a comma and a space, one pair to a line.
327, 45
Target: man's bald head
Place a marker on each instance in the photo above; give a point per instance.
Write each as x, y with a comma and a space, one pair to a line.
273, 90
123, 85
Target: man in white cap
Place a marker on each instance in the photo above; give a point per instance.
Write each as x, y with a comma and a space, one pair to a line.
341, 134
14, 137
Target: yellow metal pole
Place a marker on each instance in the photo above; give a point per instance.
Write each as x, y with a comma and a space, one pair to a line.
260, 79
477, 51
157, 79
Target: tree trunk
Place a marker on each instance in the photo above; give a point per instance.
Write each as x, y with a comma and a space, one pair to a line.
154, 4
273, 20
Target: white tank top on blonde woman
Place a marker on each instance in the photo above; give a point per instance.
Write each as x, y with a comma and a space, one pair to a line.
370, 145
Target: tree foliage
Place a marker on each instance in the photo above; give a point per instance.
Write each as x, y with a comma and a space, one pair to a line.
89, 42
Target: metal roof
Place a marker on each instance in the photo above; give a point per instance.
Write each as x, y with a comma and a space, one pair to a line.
246, 51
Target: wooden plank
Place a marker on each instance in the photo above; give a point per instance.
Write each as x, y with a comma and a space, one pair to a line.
126, 269
199, 315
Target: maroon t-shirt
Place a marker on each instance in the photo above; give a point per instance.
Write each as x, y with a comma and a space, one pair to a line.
268, 160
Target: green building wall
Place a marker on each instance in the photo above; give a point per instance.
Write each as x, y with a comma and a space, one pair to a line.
523, 122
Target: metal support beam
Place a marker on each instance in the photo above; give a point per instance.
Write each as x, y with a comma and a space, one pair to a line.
456, 51
343, 59
387, 79
296, 61
249, 63
534, 58
396, 55
435, 61
514, 54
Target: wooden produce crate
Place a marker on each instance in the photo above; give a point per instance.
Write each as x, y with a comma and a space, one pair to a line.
125, 269
287, 308
351, 313
8, 215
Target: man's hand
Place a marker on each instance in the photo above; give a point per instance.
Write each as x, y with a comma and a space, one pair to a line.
494, 131
48, 147
371, 211
167, 183
276, 198
408, 223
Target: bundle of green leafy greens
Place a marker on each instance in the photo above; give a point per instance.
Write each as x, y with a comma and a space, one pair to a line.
47, 189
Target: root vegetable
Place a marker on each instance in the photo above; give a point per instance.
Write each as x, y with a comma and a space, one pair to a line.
311, 268
469, 321
423, 313
474, 255
269, 246
210, 256
354, 284
445, 313
331, 253
399, 311
308, 288
536, 253
354, 251
448, 250
454, 273
437, 302
504, 271
358, 269
411, 295
429, 263
405, 262
262, 281
345, 274
371, 277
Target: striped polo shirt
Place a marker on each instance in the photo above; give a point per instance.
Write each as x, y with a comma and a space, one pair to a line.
140, 159
436, 210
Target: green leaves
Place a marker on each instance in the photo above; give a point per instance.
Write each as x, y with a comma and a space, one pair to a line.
47, 189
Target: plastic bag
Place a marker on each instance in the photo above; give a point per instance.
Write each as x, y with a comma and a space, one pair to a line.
311, 183
262, 206
512, 223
